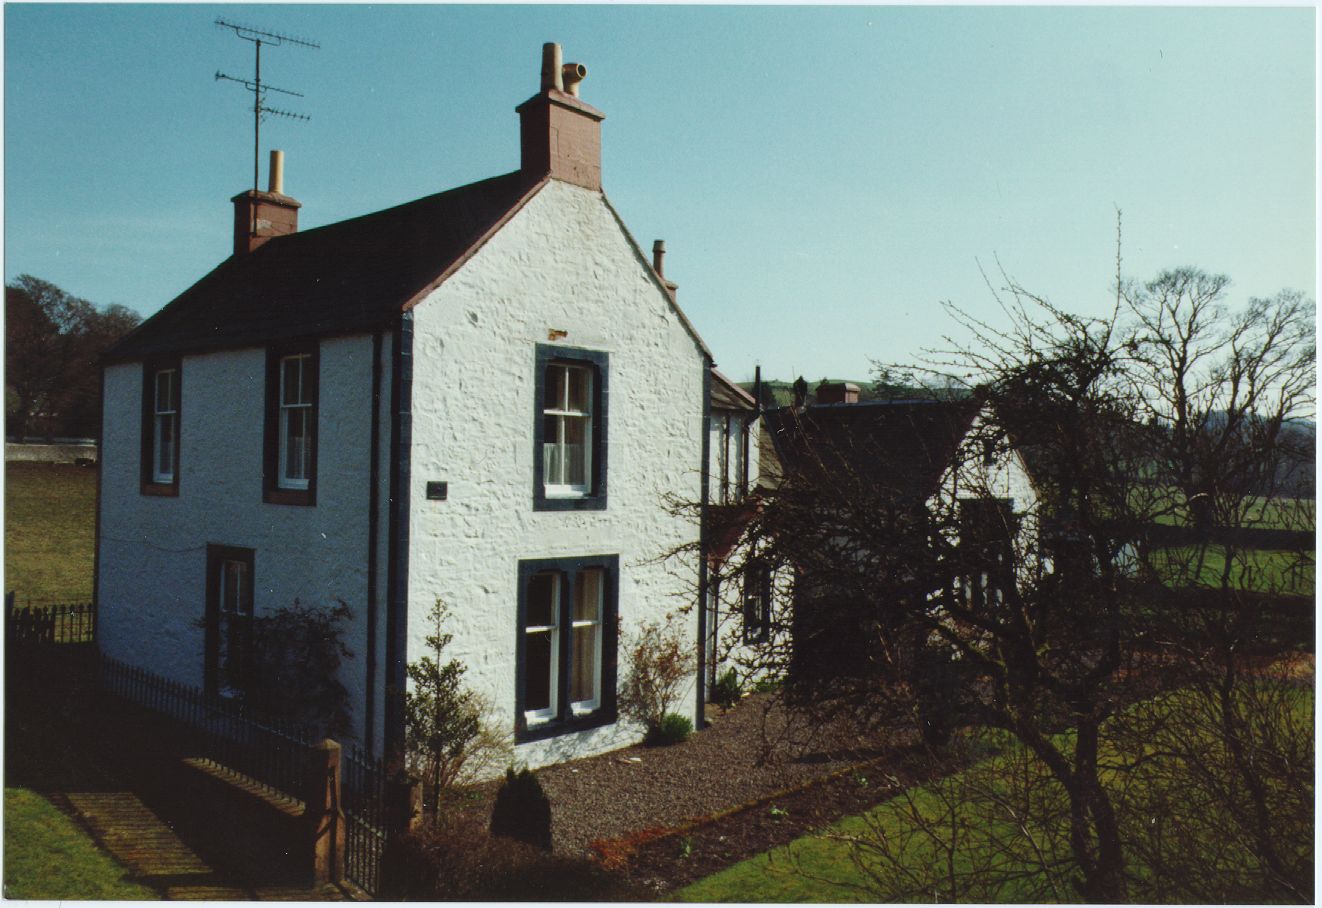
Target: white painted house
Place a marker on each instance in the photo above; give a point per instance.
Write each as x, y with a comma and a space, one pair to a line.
482, 396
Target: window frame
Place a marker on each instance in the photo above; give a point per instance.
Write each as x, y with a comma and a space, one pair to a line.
758, 587
215, 641
565, 715
564, 498
274, 489
150, 481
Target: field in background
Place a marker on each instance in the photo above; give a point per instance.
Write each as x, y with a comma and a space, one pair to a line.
1254, 570
50, 532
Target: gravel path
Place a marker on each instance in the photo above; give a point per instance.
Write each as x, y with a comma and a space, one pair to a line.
720, 767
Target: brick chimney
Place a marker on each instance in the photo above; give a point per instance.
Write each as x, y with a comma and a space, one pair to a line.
258, 216
560, 135
839, 392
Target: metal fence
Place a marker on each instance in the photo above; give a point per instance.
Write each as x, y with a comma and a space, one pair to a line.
50, 624
272, 753
363, 787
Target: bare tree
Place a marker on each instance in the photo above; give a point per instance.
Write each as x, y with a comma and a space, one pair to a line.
1148, 434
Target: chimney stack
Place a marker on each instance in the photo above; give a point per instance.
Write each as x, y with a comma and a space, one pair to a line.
658, 265
560, 135
838, 392
259, 216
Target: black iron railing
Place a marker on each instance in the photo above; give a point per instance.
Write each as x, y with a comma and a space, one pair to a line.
363, 788
271, 753
49, 625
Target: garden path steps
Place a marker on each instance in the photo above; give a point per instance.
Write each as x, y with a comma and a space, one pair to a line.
144, 843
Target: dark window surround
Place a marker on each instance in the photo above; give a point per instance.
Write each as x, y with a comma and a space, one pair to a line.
148, 486
599, 361
216, 554
566, 721
757, 602
271, 491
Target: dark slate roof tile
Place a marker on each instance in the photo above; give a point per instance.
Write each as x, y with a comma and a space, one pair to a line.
346, 277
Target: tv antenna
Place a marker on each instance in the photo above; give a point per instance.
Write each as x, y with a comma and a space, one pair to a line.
260, 109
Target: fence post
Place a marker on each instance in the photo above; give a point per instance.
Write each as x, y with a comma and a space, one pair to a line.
403, 807
324, 815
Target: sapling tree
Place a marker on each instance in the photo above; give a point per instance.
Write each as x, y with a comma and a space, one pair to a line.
448, 741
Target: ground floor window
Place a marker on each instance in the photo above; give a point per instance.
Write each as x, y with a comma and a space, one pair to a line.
757, 602
229, 643
566, 645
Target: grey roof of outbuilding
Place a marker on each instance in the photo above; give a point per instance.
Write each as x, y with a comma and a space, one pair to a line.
901, 445
726, 395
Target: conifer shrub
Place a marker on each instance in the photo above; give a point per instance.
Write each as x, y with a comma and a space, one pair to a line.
726, 691
522, 811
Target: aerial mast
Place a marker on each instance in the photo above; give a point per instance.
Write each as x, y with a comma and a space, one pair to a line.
260, 109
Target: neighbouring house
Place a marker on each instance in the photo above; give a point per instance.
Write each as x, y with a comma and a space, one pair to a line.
484, 396
911, 458
737, 601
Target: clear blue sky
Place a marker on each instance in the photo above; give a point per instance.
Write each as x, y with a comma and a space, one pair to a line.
823, 176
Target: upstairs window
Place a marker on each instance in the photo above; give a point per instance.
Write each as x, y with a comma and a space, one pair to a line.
567, 429
567, 650
160, 428
295, 421
291, 426
731, 457
570, 429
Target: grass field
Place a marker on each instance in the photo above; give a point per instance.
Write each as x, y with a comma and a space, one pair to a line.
989, 829
1256, 570
1256, 512
50, 517
48, 856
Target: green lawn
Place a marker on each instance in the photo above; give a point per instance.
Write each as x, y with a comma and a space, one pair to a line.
1257, 570
48, 856
50, 532
981, 808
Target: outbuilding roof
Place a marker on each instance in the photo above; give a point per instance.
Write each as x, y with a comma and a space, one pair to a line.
904, 446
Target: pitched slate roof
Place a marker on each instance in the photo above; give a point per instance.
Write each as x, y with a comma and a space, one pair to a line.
345, 277
901, 445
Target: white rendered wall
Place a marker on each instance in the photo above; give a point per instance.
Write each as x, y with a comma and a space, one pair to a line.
562, 264
153, 550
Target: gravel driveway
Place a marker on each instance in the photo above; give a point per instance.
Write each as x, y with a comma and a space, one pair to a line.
746, 753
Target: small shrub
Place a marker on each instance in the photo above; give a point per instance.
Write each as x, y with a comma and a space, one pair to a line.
522, 810
292, 669
673, 729
766, 685
459, 861
659, 663
726, 691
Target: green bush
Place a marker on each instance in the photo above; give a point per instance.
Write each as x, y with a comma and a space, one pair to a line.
766, 685
726, 691
673, 729
522, 811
